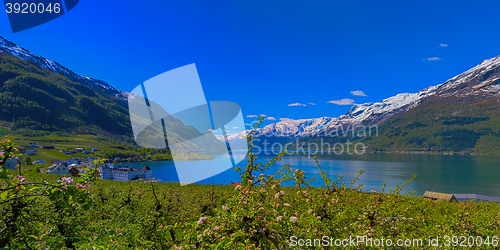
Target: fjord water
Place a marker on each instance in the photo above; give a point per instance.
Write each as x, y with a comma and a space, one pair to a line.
453, 174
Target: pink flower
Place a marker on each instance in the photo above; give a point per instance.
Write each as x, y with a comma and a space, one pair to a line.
201, 220
161, 226
279, 218
67, 180
80, 186
282, 192
276, 195
293, 219
286, 204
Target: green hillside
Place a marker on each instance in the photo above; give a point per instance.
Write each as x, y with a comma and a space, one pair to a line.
35, 102
443, 124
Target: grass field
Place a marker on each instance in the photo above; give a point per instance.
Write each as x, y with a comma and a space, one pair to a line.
137, 215
69, 143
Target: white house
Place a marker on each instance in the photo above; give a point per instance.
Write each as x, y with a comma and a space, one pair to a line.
60, 169
124, 173
40, 161
10, 163
95, 149
78, 149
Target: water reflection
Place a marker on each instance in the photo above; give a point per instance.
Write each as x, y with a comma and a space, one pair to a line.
440, 173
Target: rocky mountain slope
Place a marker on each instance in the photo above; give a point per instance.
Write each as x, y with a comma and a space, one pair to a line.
95, 84
480, 83
39, 96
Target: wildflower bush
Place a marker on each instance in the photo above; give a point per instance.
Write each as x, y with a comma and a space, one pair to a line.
263, 214
274, 207
38, 213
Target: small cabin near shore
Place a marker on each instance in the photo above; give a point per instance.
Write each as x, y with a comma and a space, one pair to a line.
435, 196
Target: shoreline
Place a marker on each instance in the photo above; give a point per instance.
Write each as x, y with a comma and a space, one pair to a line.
385, 152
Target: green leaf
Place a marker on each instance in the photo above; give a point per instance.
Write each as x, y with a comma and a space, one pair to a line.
30, 198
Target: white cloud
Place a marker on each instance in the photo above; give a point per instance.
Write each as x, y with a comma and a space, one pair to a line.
296, 104
212, 130
263, 115
358, 93
432, 59
252, 116
271, 118
311, 103
285, 119
443, 45
235, 127
345, 101
248, 124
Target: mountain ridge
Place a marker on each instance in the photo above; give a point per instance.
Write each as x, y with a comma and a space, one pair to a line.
483, 79
11, 48
39, 96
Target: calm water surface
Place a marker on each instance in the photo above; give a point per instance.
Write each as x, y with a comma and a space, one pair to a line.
441, 173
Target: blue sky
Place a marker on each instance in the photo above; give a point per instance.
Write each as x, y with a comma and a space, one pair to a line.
274, 57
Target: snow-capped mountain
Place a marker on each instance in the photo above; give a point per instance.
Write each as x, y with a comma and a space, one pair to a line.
95, 84
484, 79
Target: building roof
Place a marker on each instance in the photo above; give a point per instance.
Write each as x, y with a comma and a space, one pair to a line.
57, 165
435, 196
129, 169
